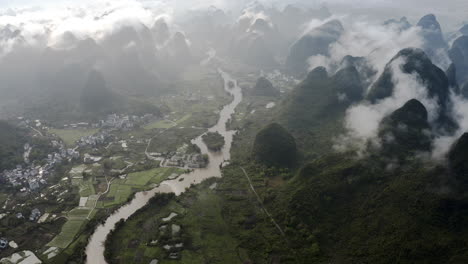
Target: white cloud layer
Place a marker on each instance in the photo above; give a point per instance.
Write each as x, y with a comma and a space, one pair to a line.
362, 120
376, 42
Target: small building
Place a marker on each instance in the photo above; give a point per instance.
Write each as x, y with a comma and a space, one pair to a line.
35, 214
33, 185
3, 243
88, 159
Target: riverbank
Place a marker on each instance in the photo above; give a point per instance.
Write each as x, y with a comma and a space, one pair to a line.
95, 248
188, 229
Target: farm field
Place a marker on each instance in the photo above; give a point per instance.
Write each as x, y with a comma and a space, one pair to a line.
70, 136
121, 189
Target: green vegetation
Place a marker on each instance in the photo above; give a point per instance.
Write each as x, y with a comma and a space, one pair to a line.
415, 61
118, 194
175, 136
151, 176
205, 236
122, 171
74, 253
341, 209
165, 124
406, 131
193, 149
12, 140
313, 114
70, 136
161, 124
96, 97
67, 234
91, 103
285, 196
362, 212
264, 87
214, 141
126, 236
34, 235
86, 187
458, 158
122, 189
275, 147
28, 234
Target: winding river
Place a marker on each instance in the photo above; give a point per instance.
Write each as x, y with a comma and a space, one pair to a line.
95, 247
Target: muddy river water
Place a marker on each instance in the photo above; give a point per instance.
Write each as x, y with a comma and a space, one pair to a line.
95, 247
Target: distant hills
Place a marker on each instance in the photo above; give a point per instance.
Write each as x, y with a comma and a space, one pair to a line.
275, 147
459, 55
96, 97
415, 61
435, 45
393, 203
406, 131
12, 140
316, 42
314, 112
458, 158
264, 87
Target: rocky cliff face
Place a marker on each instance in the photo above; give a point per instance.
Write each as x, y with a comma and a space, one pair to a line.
416, 62
316, 42
459, 56
406, 131
434, 44
275, 147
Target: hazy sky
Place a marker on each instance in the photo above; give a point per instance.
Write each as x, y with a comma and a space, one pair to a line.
451, 13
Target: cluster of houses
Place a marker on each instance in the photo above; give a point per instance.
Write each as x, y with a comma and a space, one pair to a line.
192, 161
115, 121
3, 243
280, 79
126, 122
89, 159
30, 177
94, 140
23, 122
80, 125
33, 217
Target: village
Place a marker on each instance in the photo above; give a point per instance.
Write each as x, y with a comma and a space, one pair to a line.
185, 161
95, 165
30, 177
181, 158
115, 121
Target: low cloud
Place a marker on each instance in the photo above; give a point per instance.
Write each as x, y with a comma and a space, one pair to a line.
378, 43
321, 60
443, 144
363, 120
45, 25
